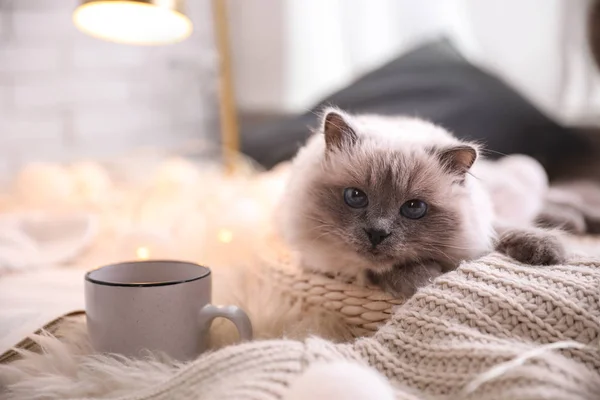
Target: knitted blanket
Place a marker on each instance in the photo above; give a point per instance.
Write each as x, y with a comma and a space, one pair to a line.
485, 313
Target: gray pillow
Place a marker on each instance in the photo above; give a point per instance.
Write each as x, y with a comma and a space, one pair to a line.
434, 82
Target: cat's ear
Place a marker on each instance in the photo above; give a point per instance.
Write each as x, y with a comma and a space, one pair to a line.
338, 132
458, 159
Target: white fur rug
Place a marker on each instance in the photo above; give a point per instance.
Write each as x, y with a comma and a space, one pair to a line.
67, 368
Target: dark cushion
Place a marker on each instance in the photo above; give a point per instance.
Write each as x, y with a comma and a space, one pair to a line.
436, 83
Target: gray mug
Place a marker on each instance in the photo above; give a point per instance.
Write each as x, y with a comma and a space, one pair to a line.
160, 306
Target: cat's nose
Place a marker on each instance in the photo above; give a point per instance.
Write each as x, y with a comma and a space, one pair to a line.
376, 236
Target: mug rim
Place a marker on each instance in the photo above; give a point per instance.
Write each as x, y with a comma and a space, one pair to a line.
88, 278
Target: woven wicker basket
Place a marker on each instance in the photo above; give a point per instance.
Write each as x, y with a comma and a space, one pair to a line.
364, 309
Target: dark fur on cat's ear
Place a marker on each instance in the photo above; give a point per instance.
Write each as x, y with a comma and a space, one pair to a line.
458, 159
337, 130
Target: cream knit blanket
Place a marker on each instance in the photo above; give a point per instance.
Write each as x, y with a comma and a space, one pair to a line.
485, 313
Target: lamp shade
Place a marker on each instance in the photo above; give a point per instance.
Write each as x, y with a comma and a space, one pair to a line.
139, 22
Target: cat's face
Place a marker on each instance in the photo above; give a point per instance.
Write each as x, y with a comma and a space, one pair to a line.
386, 206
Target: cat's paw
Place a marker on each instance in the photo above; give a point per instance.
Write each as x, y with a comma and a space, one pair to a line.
532, 246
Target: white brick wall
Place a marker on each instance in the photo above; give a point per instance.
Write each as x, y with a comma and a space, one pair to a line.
25, 57
67, 96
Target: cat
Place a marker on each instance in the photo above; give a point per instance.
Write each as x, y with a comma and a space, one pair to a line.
392, 202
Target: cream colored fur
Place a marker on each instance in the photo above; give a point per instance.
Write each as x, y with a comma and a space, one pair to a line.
274, 314
68, 370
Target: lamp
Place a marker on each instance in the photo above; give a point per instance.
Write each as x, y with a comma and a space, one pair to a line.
140, 22
230, 136
147, 22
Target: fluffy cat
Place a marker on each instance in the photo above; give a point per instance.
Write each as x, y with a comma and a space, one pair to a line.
391, 201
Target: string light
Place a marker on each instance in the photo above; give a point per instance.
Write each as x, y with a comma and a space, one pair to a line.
143, 253
145, 245
180, 210
225, 236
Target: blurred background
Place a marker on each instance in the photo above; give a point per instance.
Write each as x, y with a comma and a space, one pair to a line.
290, 54
65, 95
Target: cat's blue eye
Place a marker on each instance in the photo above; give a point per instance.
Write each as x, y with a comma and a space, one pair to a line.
355, 198
414, 209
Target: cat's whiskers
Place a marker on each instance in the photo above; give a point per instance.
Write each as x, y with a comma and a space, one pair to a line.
320, 236
484, 151
311, 218
324, 229
449, 246
331, 230
425, 273
320, 227
437, 250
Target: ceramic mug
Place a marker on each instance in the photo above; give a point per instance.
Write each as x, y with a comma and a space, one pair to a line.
160, 306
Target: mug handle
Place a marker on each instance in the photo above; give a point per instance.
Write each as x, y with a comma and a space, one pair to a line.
235, 314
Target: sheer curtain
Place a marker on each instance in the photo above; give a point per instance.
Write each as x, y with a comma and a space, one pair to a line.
290, 53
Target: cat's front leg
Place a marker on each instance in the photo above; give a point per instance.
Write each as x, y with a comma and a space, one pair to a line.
405, 280
533, 246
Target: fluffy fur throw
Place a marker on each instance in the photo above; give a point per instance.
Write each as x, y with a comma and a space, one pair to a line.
436, 346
